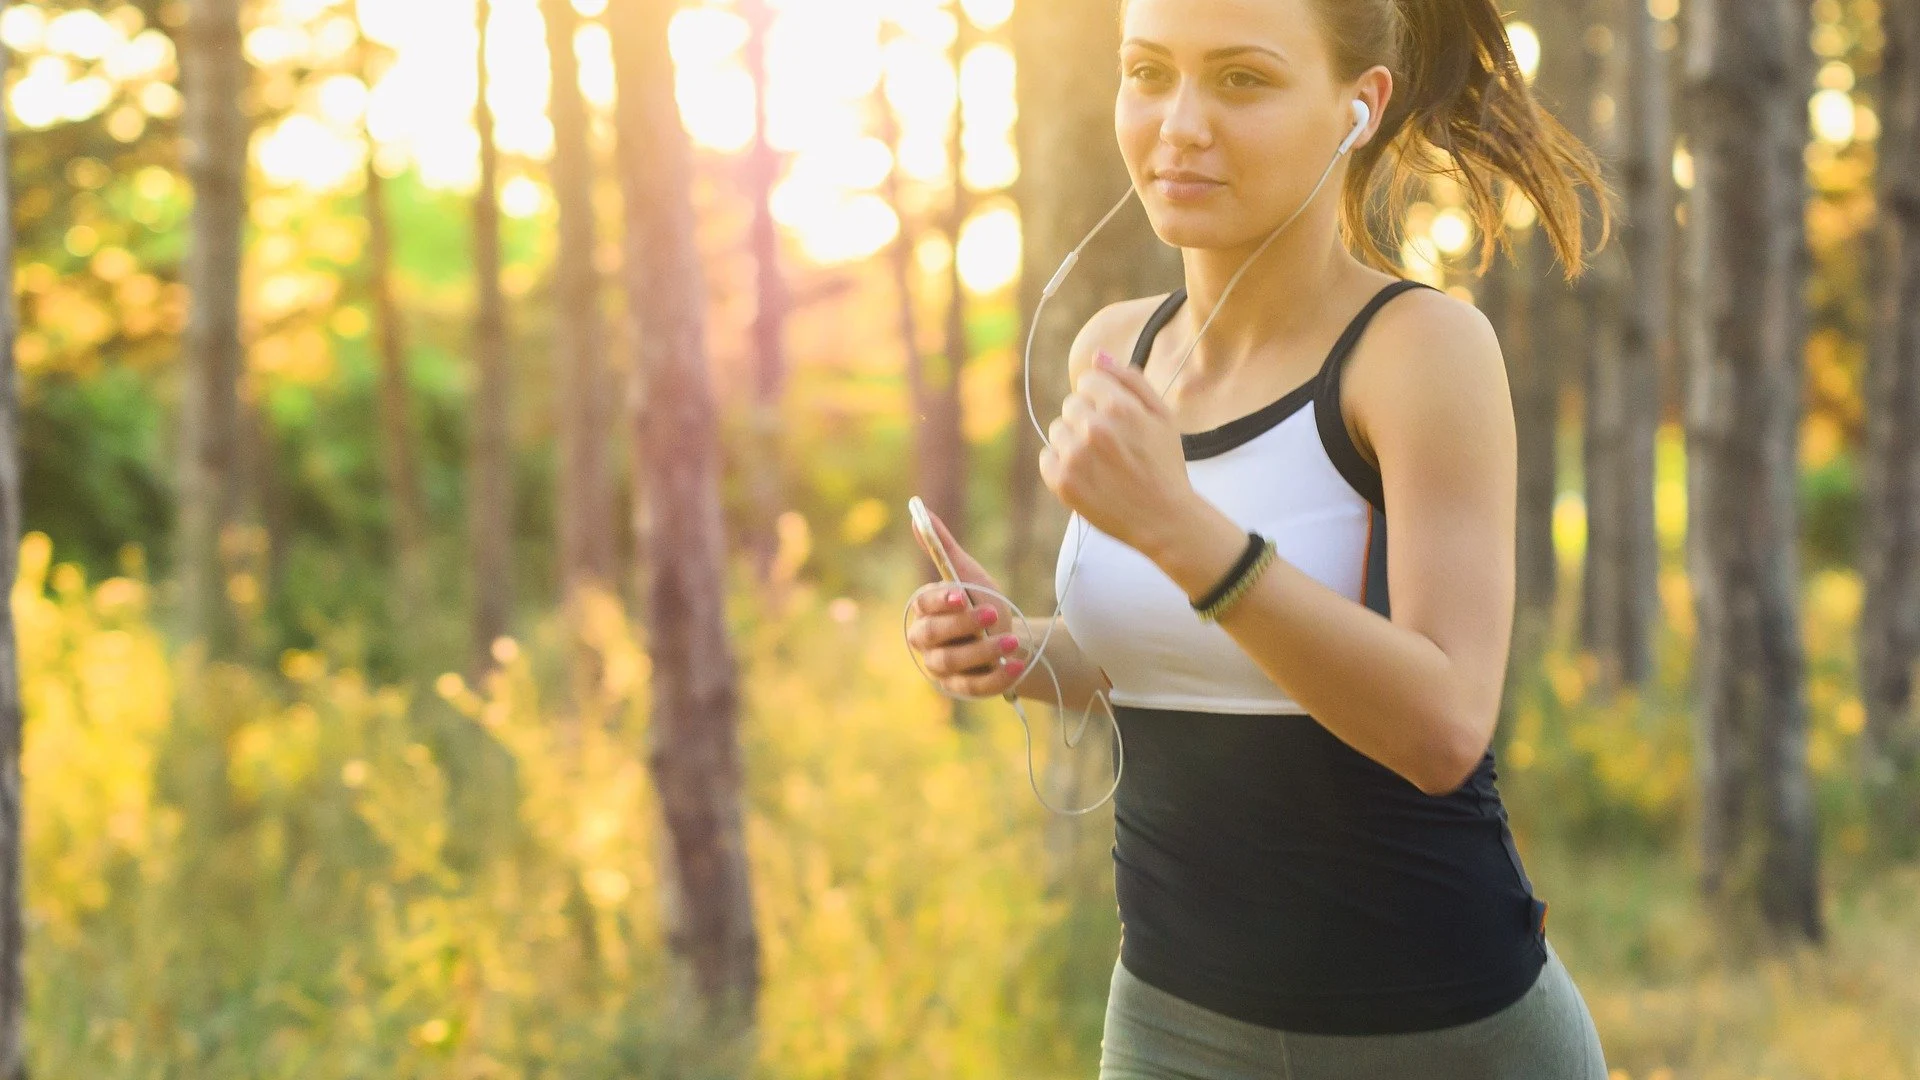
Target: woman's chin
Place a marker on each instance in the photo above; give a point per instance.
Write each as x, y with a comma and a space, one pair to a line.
1183, 228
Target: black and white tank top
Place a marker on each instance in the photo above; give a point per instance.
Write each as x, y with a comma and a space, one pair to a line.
1263, 868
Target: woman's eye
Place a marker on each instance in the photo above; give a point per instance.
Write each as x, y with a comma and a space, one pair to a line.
1247, 80
1144, 72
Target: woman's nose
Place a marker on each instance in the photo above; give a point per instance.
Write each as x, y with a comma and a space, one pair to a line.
1185, 123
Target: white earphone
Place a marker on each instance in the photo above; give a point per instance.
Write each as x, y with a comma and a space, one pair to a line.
1362, 114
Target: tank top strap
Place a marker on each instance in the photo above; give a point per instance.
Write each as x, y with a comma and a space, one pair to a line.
1346, 458
1162, 315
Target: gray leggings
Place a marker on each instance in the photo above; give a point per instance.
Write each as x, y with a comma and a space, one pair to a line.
1546, 1035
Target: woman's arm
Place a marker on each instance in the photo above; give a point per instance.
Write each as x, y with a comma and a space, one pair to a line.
1080, 678
1420, 693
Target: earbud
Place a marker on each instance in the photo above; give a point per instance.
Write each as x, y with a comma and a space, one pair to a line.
1361, 114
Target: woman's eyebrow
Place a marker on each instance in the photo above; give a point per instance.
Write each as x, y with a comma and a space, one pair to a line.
1217, 54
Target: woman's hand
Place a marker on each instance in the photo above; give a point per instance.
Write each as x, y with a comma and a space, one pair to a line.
970, 653
1116, 458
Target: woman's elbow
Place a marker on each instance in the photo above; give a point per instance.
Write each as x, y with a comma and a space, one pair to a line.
1451, 759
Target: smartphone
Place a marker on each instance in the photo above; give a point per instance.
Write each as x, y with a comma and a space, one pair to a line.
929, 539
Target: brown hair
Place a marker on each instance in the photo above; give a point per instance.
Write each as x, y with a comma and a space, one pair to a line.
1462, 109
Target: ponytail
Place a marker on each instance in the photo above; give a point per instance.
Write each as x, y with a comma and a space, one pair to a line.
1461, 108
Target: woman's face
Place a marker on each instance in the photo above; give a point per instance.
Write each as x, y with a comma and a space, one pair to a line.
1228, 113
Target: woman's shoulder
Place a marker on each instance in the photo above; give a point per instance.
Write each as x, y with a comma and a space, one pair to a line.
1113, 329
1423, 346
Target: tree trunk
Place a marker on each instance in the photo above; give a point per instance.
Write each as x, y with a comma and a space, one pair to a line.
1507, 296
1747, 74
13, 989
943, 442
583, 386
1890, 552
1541, 316
490, 479
762, 169
900, 262
1621, 598
213, 76
1603, 397
1070, 174
405, 503
695, 754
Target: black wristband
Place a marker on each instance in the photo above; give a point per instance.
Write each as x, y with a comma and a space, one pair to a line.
1255, 545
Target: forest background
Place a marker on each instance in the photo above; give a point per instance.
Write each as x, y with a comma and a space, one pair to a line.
458, 453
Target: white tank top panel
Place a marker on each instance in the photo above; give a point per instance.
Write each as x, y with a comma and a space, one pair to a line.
1288, 471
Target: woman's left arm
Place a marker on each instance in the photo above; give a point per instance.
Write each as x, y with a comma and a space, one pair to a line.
1419, 694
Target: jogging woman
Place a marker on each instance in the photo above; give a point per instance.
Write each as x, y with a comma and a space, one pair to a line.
1301, 614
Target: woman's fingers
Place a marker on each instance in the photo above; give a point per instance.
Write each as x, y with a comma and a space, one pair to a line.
969, 658
933, 631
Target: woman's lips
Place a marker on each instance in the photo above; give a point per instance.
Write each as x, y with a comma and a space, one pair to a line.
1176, 188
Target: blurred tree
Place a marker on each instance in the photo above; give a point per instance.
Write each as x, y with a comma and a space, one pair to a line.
1889, 633
900, 253
1557, 323
583, 384
13, 988
1746, 95
407, 506
941, 450
213, 79
695, 754
1070, 174
1621, 580
490, 457
762, 171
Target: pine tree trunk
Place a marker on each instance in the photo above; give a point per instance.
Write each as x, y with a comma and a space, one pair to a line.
695, 753
1747, 76
1623, 388
490, 479
1507, 297
582, 384
762, 169
13, 989
900, 261
1556, 322
213, 75
405, 502
943, 442
1071, 173
1604, 399
1889, 632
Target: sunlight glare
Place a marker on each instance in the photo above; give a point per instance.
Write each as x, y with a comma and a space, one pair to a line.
716, 103
23, 28
989, 250
1526, 48
82, 34
304, 150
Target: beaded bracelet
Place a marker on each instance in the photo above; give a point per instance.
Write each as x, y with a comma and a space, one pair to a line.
1252, 563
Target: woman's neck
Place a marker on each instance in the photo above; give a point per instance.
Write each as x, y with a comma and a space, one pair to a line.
1281, 296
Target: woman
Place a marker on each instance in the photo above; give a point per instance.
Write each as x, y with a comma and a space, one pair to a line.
1313, 867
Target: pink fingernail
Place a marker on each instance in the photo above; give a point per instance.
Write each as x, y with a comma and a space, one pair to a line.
1103, 359
953, 597
1008, 643
1016, 666
988, 616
